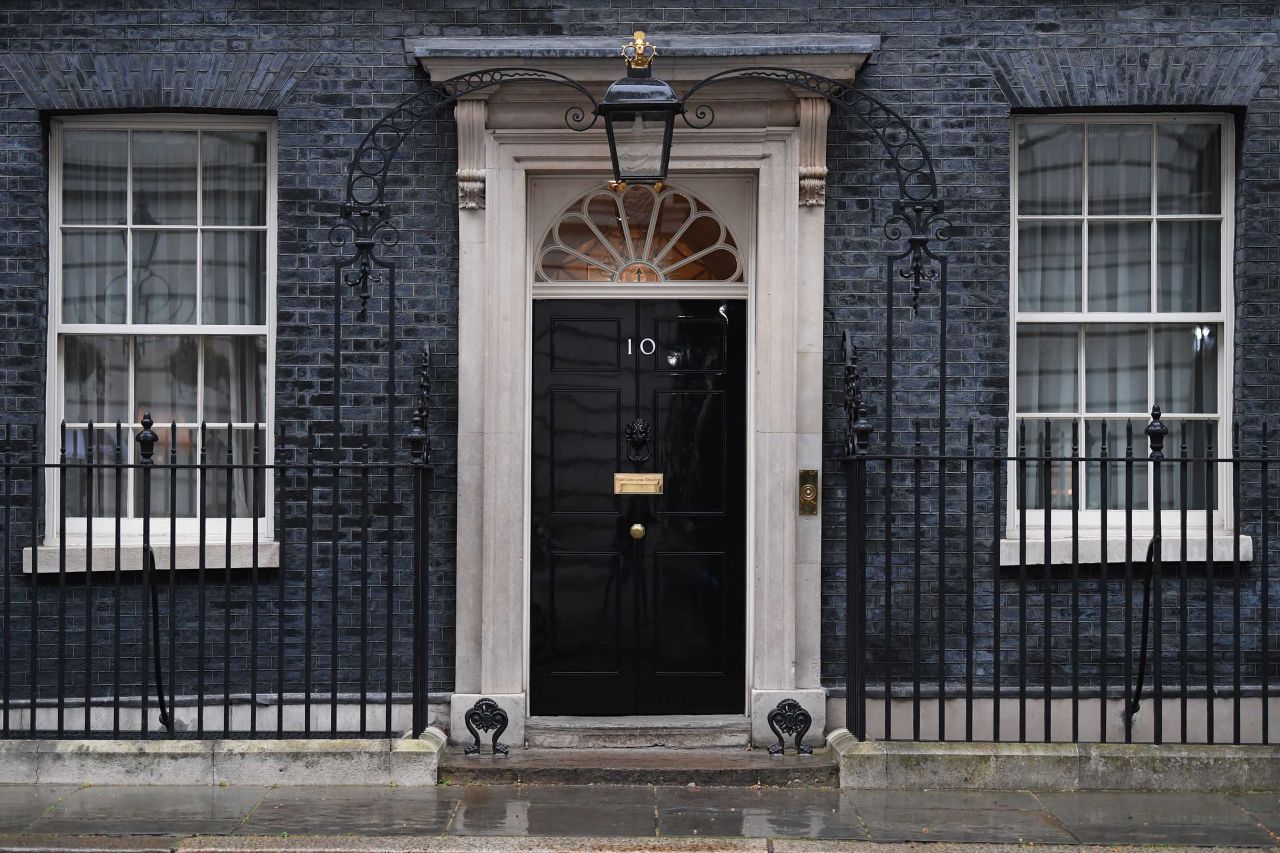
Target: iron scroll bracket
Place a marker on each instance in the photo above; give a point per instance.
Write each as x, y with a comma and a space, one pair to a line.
486, 715
789, 718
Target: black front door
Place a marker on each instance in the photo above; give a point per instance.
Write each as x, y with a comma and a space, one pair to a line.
638, 600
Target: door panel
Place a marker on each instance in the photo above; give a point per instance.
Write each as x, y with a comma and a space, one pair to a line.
586, 437
692, 449
652, 625
584, 614
690, 604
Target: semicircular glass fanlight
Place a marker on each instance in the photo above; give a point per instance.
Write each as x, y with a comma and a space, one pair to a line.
641, 235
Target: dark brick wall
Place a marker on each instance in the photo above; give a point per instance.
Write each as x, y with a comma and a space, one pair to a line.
956, 69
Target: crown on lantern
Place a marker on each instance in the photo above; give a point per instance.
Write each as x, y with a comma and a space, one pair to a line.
638, 53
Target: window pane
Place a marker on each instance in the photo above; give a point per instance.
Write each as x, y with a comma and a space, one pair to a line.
1049, 266
1187, 368
1047, 368
234, 379
1116, 478
1200, 478
94, 277
235, 491
1188, 172
164, 177
164, 276
1119, 168
165, 377
169, 491
1049, 168
94, 176
1119, 266
672, 215
96, 490
1115, 368
235, 278
96, 378
639, 139
1035, 473
1188, 255
234, 165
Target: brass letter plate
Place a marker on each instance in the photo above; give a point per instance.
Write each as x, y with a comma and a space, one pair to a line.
637, 484
808, 491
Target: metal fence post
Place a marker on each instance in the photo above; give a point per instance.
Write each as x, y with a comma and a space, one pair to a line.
857, 432
420, 453
1156, 432
147, 440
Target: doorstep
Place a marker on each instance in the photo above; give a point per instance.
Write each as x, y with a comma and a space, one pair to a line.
295, 761
1055, 766
674, 731
702, 767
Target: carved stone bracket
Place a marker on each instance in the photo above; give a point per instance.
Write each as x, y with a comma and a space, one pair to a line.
471, 114
813, 115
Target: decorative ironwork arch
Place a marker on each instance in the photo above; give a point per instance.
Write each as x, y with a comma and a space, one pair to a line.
365, 224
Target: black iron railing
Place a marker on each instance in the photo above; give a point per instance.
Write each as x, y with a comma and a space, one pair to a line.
171, 582
1084, 582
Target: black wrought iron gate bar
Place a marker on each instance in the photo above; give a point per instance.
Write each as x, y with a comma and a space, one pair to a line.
1149, 654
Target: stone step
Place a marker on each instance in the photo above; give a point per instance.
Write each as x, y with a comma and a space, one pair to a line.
644, 732
710, 767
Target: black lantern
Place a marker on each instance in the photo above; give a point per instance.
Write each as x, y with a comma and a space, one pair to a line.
639, 113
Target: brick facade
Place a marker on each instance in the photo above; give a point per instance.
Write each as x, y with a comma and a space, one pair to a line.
328, 71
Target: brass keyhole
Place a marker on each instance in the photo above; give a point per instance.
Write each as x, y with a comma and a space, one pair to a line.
637, 531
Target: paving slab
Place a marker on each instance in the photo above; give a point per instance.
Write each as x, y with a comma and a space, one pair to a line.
757, 813
571, 810
1264, 807
487, 844
946, 799
353, 810
1120, 817
928, 815
21, 805
150, 810
31, 843
790, 845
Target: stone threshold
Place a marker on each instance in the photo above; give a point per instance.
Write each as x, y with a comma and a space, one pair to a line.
295, 761
1055, 766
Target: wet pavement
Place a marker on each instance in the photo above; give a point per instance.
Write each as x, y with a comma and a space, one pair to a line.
169, 814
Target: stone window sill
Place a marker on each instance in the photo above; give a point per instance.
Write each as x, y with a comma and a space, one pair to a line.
1090, 553
186, 557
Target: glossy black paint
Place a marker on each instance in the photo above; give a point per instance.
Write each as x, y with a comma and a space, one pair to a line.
655, 625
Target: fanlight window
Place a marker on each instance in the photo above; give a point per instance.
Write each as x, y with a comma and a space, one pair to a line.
640, 235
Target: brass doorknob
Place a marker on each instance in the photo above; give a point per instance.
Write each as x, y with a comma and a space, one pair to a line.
637, 531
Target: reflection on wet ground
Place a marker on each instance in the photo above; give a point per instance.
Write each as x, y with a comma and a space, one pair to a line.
647, 811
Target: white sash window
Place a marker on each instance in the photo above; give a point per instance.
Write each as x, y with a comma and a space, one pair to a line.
162, 245
1121, 300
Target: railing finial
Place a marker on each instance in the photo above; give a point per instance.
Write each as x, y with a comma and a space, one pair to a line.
147, 440
419, 448
1156, 432
857, 427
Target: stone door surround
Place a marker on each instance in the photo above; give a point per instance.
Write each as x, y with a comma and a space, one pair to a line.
511, 134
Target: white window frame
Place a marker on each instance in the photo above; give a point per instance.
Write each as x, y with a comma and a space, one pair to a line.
1090, 520
187, 529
